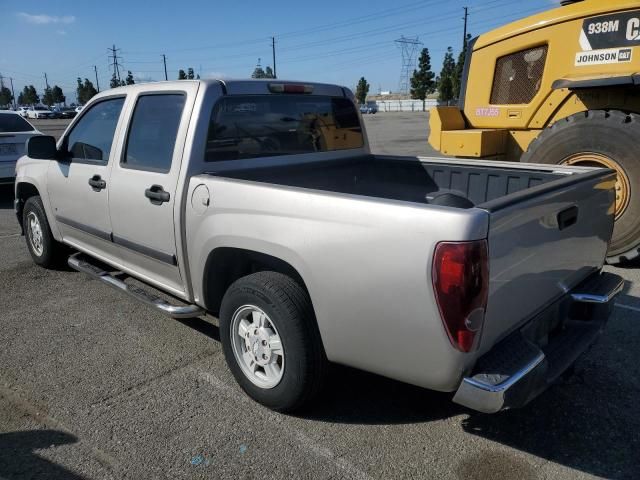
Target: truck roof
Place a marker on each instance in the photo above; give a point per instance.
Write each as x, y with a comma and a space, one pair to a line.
235, 86
566, 13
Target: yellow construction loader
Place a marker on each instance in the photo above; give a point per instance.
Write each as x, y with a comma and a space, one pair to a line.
559, 87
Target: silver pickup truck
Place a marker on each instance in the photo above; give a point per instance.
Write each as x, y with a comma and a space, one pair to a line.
260, 202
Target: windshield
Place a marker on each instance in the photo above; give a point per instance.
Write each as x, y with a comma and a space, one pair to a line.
10, 123
249, 126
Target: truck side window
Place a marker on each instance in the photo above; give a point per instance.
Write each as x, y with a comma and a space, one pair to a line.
251, 126
517, 76
92, 136
153, 131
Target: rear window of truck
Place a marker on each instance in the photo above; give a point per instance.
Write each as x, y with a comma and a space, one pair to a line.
250, 126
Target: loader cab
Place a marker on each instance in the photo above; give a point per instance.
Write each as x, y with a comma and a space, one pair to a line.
517, 76
558, 87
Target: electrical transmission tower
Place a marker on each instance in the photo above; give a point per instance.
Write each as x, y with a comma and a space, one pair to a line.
409, 49
116, 66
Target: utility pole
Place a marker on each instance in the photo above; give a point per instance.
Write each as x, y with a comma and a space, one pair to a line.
164, 60
46, 82
13, 94
273, 50
116, 67
464, 35
1, 82
95, 69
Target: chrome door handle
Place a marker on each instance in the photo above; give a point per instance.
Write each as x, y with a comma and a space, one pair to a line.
97, 183
157, 195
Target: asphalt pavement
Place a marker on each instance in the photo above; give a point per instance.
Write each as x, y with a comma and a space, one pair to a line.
53, 127
96, 386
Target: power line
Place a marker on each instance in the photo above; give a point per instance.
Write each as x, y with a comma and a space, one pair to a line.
374, 45
379, 32
351, 51
334, 25
348, 23
351, 36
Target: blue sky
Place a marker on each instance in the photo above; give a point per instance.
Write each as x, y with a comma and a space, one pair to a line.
329, 41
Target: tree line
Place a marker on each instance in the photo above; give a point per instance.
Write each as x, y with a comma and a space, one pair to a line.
425, 82
448, 84
50, 96
85, 89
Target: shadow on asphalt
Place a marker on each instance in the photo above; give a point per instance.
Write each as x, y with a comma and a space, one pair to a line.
357, 397
19, 459
558, 426
202, 326
581, 435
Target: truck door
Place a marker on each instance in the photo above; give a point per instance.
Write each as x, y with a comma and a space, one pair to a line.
142, 203
79, 186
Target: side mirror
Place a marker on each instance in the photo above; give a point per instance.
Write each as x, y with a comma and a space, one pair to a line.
42, 147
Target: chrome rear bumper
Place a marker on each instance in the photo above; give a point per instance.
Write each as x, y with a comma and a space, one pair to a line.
525, 363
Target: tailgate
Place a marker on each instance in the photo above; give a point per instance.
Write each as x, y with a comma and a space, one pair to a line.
542, 242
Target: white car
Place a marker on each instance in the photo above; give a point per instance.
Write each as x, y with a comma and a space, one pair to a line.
14, 133
22, 111
39, 111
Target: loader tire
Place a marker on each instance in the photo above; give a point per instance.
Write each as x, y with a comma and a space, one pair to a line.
601, 138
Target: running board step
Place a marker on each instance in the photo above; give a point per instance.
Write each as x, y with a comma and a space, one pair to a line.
78, 262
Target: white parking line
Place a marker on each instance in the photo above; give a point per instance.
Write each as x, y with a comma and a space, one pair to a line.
349, 469
628, 307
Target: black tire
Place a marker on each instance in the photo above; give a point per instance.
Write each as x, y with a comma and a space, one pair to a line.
52, 253
289, 308
614, 134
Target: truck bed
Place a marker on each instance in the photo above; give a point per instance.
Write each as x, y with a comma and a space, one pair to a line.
403, 178
540, 240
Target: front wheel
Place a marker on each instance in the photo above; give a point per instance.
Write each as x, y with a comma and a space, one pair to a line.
271, 342
44, 249
600, 138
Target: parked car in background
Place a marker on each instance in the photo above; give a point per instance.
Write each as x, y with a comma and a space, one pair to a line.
79, 108
368, 109
14, 132
22, 111
39, 111
64, 112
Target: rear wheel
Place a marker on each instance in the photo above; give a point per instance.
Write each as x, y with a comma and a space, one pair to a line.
600, 138
271, 342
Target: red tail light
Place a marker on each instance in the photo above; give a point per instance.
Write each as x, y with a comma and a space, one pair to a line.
290, 88
461, 284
